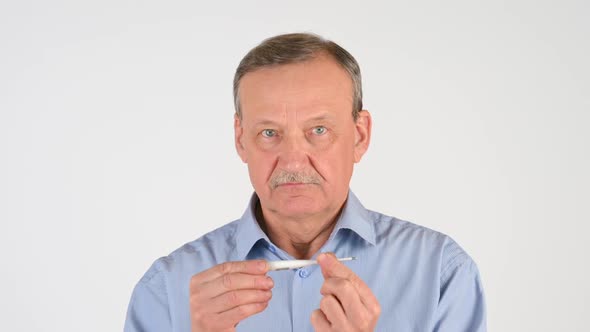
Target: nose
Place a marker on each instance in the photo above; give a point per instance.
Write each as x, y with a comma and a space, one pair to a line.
294, 153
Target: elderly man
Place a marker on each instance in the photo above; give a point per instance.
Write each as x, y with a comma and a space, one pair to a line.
300, 127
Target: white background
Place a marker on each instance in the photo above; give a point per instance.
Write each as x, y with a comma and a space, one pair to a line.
116, 142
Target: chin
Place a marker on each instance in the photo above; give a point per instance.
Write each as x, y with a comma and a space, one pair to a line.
298, 206
295, 201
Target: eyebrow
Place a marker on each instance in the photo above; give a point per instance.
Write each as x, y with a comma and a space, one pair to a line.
264, 123
321, 117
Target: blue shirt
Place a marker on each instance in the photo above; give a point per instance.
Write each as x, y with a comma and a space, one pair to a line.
423, 280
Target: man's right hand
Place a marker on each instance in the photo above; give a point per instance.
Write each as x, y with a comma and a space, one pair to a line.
226, 294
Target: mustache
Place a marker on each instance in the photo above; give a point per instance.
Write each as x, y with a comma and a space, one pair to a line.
283, 177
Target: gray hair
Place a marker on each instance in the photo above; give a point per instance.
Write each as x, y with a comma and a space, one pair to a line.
298, 47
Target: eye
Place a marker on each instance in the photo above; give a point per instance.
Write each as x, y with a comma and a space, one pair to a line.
320, 130
268, 133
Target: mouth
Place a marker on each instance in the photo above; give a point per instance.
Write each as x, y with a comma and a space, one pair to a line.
292, 184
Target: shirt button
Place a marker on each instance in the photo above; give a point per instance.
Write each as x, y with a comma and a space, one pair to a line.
303, 273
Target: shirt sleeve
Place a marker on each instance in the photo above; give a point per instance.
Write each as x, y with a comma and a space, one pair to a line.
148, 309
461, 305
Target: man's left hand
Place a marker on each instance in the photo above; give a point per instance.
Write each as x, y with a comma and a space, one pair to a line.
348, 304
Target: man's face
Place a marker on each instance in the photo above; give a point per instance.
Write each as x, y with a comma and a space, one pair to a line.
298, 137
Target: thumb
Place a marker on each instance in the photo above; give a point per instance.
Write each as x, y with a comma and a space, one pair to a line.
326, 262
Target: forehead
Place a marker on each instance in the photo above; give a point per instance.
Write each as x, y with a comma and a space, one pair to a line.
320, 84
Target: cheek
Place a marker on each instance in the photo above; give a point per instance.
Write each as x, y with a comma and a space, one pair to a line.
335, 164
260, 167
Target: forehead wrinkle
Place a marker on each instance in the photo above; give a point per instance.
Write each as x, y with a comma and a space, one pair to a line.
291, 114
297, 88
303, 88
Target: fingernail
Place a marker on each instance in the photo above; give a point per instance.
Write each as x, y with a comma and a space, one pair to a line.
269, 282
262, 265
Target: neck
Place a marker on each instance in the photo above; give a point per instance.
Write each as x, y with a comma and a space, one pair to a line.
299, 237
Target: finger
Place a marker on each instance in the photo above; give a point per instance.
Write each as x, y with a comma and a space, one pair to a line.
331, 267
319, 321
333, 310
233, 281
233, 299
232, 317
256, 267
348, 297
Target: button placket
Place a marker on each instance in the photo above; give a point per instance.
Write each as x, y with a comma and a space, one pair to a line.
303, 273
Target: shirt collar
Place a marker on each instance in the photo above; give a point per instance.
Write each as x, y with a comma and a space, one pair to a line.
248, 231
354, 217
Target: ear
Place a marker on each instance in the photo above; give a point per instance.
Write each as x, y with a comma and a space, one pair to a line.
362, 134
238, 136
